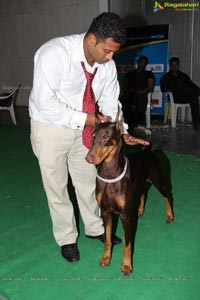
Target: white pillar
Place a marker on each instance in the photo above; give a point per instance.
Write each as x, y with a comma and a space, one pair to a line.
103, 6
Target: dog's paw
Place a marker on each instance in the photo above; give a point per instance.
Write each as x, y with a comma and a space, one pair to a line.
127, 269
141, 206
105, 261
169, 219
140, 211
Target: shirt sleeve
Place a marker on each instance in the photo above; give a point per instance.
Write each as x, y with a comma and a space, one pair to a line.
189, 82
109, 101
46, 86
151, 75
164, 83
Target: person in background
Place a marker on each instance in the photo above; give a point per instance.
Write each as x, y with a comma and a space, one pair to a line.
183, 89
136, 85
62, 69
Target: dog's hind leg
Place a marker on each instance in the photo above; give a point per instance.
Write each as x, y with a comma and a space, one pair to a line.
169, 209
160, 175
141, 206
105, 260
168, 197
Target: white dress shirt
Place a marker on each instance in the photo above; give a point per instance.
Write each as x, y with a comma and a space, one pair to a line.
59, 84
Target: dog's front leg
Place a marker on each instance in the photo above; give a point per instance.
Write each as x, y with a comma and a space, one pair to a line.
127, 257
105, 260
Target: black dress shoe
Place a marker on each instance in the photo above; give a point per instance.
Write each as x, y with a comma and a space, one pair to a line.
115, 239
70, 252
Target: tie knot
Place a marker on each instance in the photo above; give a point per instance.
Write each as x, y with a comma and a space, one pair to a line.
89, 76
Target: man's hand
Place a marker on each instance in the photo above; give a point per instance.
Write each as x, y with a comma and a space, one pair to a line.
131, 140
99, 118
95, 118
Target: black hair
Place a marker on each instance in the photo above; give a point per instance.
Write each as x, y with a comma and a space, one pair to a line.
109, 25
174, 59
143, 57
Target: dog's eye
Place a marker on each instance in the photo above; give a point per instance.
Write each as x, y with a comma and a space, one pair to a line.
106, 137
109, 142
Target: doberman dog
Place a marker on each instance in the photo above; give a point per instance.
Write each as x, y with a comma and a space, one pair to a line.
120, 181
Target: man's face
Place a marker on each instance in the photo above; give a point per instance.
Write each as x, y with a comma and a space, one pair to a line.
142, 63
103, 51
174, 66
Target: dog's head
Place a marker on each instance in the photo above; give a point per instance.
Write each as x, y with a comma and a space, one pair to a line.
106, 141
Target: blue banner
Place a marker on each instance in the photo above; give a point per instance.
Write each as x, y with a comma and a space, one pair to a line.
151, 41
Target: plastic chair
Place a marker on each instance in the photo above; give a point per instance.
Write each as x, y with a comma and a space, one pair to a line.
7, 101
174, 110
148, 110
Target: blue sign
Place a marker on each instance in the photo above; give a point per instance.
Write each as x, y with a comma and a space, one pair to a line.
151, 41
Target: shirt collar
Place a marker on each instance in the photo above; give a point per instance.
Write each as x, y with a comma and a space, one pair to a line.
81, 55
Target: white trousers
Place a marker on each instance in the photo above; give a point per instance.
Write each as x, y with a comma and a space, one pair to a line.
60, 151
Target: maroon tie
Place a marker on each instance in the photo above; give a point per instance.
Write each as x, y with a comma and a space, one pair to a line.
88, 105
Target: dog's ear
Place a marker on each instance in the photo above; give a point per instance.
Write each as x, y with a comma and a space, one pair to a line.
97, 113
117, 120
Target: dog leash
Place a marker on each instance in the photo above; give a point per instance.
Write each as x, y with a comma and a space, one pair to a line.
117, 178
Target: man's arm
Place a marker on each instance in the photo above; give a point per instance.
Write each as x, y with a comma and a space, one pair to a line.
189, 82
127, 85
132, 141
151, 84
164, 84
95, 118
46, 99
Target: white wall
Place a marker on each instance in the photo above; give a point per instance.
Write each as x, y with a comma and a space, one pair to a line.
26, 24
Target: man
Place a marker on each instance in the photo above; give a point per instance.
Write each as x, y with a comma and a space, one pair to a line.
183, 89
136, 85
58, 120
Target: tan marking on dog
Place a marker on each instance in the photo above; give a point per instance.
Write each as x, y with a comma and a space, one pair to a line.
126, 262
120, 201
141, 206
105, 260
99, 198
103, 153
112, 150
169, 213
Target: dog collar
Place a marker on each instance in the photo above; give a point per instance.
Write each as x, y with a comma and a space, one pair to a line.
117, 178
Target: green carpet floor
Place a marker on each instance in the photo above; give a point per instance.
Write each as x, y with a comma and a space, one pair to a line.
166, 259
